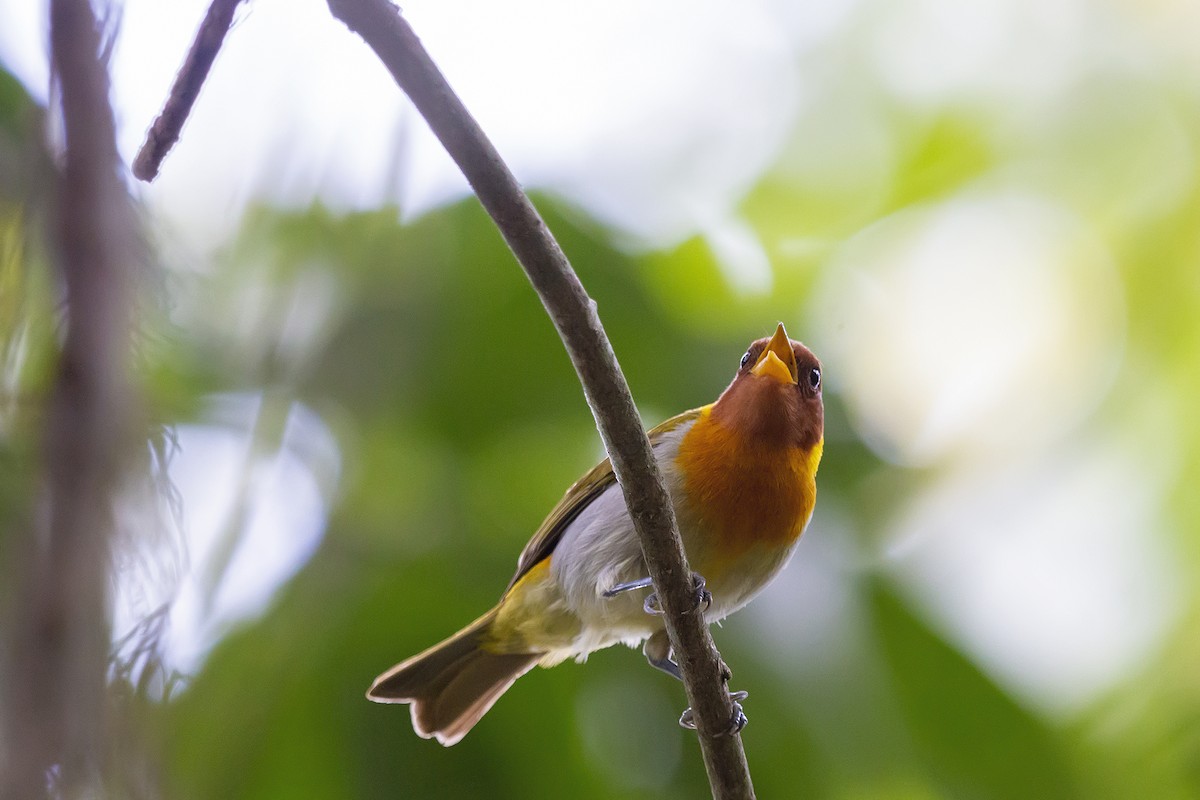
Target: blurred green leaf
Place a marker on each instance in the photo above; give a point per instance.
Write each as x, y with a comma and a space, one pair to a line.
975, 740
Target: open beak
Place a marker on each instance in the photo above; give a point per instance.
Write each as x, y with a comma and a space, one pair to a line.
778, 360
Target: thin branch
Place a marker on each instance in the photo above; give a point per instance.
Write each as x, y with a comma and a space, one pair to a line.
164, 133
55, 700
380, 24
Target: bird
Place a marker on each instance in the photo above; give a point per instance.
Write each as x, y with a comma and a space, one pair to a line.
741, 475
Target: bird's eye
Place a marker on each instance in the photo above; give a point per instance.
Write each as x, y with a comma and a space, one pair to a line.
814, 378
746, 358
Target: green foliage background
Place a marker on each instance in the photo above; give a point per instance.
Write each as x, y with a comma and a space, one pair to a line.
460, 422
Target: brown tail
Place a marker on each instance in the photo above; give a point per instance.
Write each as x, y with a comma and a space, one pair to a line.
453, 684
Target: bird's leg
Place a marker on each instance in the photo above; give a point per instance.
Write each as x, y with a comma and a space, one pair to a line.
657, 650
703, 596
651, 603
629, 586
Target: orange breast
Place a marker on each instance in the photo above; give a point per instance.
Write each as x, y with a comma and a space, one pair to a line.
742, 493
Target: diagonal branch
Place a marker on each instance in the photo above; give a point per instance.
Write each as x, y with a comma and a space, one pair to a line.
381, 25
165, 131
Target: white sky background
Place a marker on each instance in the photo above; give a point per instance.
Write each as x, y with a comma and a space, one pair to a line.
656, 117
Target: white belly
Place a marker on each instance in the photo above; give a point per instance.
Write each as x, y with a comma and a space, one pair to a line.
600, 550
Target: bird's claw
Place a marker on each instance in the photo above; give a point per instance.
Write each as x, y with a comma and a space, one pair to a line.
651, 606
702, 594
703, 597
736, 722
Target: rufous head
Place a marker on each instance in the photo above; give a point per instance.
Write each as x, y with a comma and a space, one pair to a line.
776, 393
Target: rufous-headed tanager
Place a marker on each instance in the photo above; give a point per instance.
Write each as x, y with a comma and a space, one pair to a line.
740, 473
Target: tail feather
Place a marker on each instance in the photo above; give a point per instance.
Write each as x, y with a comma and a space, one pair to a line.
453, 684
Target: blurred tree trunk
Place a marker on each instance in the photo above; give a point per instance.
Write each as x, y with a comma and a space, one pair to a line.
55, 703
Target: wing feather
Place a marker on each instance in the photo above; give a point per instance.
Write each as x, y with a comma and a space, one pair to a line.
579, 497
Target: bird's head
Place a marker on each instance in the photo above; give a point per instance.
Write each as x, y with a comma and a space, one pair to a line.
776, 394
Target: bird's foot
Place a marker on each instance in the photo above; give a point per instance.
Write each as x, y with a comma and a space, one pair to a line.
703, 597
737, 720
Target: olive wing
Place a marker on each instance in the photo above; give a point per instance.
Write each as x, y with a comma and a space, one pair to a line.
579, 497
